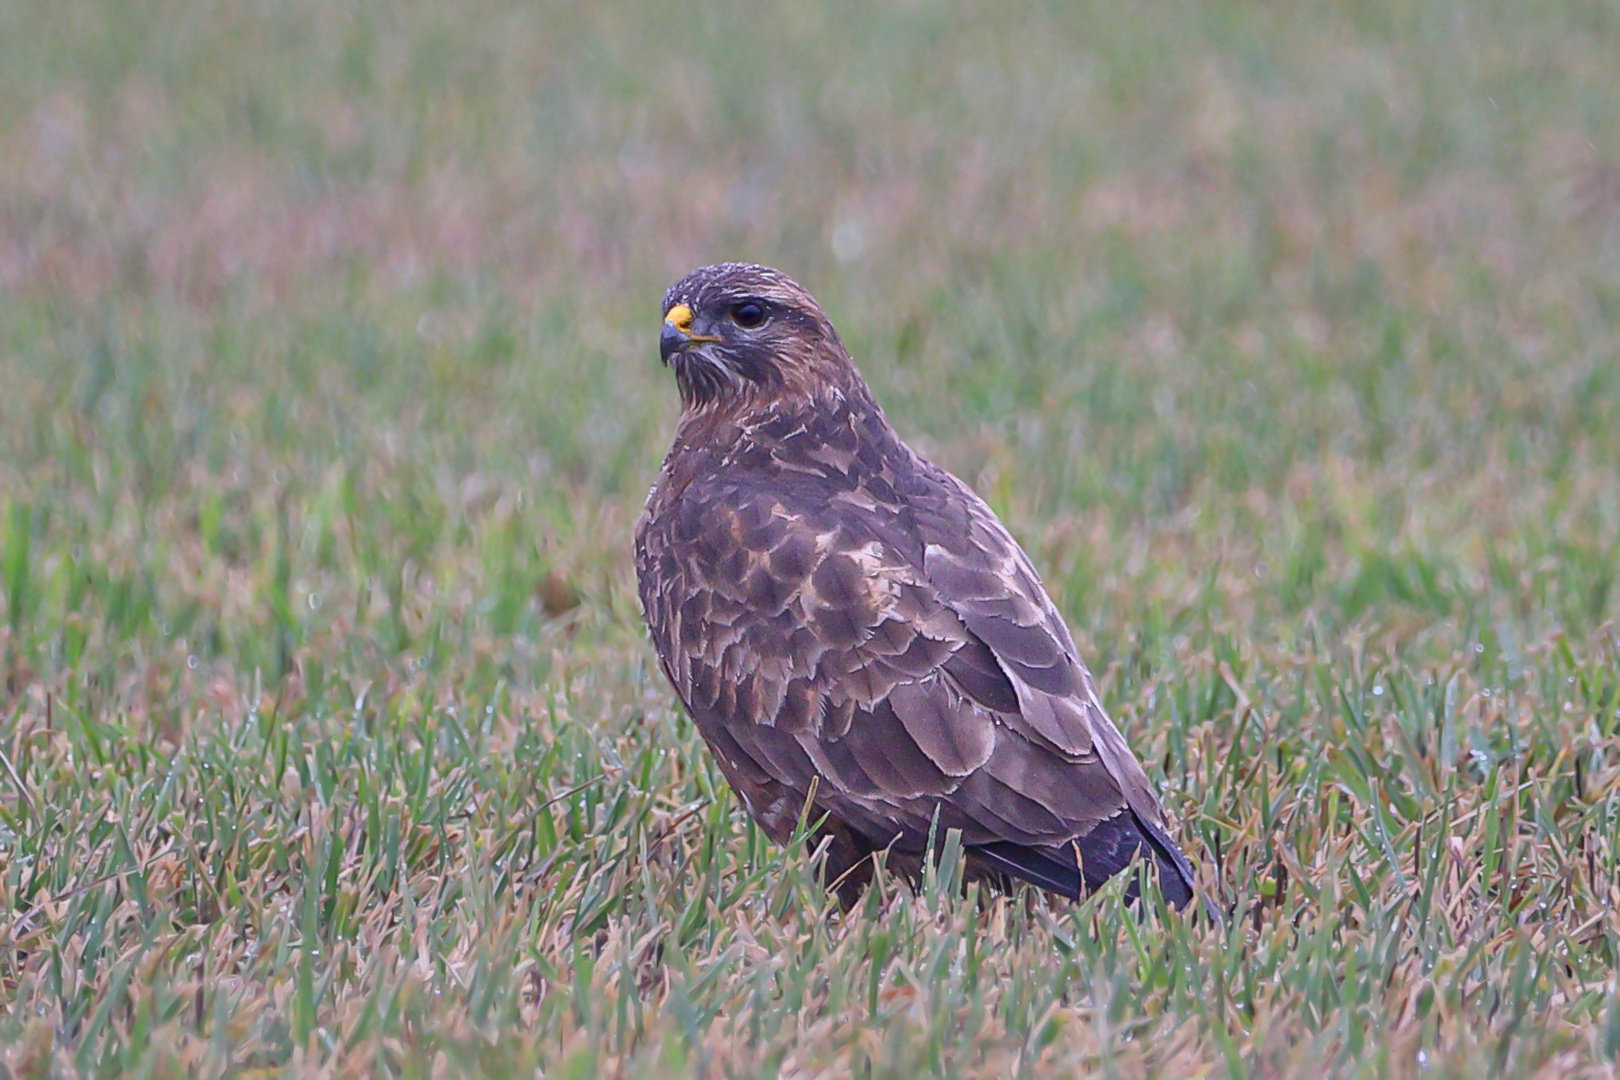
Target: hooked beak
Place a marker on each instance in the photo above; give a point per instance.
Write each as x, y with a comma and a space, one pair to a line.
671, 341
677, 333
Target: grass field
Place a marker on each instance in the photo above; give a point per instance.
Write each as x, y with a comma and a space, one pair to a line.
1284, 337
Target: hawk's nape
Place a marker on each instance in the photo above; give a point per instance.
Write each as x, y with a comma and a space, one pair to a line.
840, 615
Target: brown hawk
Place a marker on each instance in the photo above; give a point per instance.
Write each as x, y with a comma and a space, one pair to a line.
841, 616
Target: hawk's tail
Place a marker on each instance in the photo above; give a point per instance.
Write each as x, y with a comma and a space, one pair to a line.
1107, 850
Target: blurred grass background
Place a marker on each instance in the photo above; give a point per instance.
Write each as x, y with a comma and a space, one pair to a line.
1283, 336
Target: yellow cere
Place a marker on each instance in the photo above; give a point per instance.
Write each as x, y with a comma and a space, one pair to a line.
680, 317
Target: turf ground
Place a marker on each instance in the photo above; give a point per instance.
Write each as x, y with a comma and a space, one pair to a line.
1283, 335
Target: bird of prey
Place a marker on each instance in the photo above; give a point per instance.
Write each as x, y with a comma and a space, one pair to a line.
848, 623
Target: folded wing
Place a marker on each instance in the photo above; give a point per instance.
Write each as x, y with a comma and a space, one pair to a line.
906, 661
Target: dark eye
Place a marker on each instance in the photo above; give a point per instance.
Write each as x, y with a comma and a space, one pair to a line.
748, 314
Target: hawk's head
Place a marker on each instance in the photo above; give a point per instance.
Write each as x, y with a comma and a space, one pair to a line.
739, 333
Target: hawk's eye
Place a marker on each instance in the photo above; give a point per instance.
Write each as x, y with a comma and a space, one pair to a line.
748, 314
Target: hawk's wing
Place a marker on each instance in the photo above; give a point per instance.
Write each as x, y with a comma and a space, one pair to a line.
896, 648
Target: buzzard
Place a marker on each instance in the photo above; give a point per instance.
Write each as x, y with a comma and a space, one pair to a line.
847, 622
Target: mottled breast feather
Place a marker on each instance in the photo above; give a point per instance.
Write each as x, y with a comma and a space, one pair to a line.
838, 614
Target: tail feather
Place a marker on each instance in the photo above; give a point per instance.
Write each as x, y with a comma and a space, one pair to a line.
1031, 865
1105, 851
1175, 872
